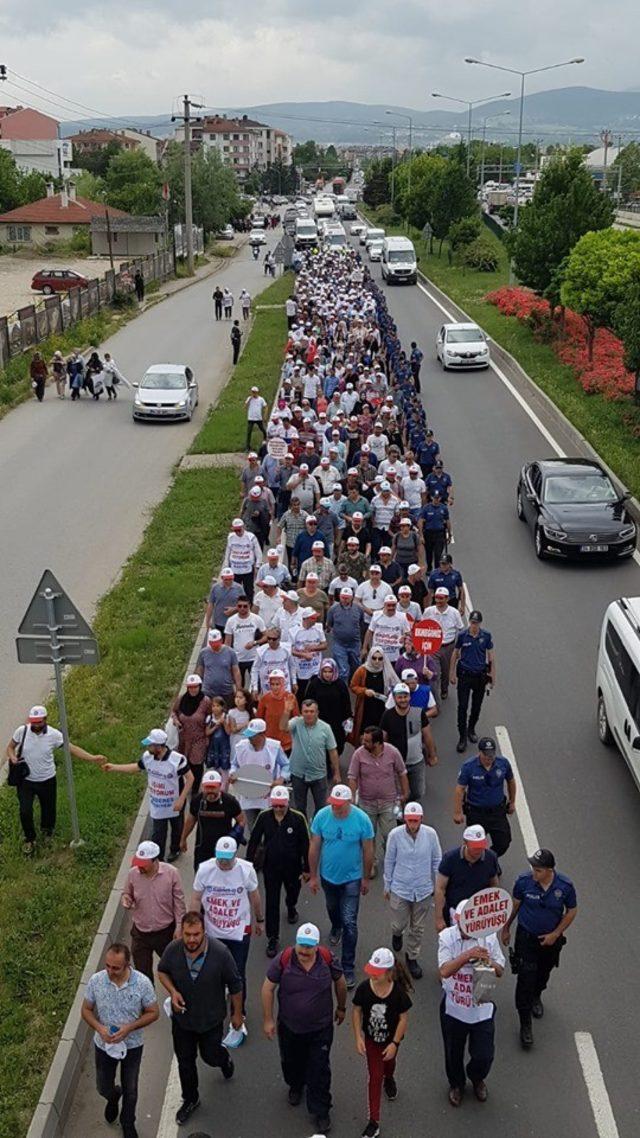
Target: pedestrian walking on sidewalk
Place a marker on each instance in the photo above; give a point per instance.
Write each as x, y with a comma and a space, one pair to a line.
236, 340
39, 372
217, 302
119, 1003
245, 301
379, 1018
197, 970
154, 896
227, 303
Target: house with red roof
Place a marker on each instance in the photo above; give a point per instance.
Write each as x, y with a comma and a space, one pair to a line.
54, 218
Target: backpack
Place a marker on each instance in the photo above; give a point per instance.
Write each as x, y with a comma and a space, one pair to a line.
287, 953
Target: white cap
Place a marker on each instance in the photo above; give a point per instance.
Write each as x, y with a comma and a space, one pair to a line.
346, 592
226, 848
277, 674
259, 479
336, 486
157, 737
352, 540
384, 486
269, 580
307, 613
252, 454
325, 461
413, 810
303, 466
442, 592
312, 576
409, 674
401, 689
405, 590
308, 934
385, 549
254, 727
293, 596
279, 795
255, 388
146, 852
237, 523
475, 836
340, 794
227, 573
211, 778
272, 553
414, 569
36, 713
380, 961
390, 599
214, 635
255, 492
193, 680
375, 569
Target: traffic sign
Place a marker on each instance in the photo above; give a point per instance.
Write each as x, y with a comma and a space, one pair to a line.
517, 167
485, 912
426, 636
71, 650
35, 621
278, 253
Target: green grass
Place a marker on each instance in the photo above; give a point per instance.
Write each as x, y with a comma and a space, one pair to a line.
224, 431
612, 428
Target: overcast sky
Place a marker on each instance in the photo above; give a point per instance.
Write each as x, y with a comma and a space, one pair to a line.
137, 56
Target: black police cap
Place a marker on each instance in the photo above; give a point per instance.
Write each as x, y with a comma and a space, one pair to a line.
542, 859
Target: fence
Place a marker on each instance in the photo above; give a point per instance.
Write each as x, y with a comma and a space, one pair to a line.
34, 323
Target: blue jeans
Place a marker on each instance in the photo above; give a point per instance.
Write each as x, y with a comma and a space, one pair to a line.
347, 657
343, 902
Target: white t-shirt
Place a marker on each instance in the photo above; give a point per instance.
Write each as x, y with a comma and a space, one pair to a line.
372, 597
225, 897
38, 751
307, 638
163, 776
450, 621
389, 633
338, 583
290, 307
255, 406
242, 629
413, 489
311, 386
268, 607
458, 988
243, 552
287, 622
378, 444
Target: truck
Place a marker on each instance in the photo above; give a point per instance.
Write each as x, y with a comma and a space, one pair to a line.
496, 199
338, 185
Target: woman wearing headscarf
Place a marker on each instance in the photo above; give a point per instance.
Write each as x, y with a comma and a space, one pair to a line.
371, 684
93, 375
190, 713
332, 697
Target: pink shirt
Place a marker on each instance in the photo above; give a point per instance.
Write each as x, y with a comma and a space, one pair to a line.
377, 778
158, 901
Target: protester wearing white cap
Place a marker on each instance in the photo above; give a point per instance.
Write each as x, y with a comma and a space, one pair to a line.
306, 975
346, 623
343, 580
406, 723
410, 870
273, 567
304, 486
218, 666
290, 524
243, 632
33, 744
411, 610
387, 629
226, 888
318, 562
372, 593
281, 836
153, 894
169, 781
463, 871
214, 814
243, 555
340, 859
272, 654
256, 407
451, 623
288, 618
268, 600
464, 1022
380, 1007
255, 748
308, 644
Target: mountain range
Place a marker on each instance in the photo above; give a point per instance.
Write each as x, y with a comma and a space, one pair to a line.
567, 113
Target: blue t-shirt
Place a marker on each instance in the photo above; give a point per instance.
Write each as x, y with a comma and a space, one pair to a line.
542, 910
341, 851
473, 650
485, 787
465, 878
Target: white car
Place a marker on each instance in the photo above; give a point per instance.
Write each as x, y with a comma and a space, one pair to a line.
227, 233
167, 391
257, 237
357, 228
462, 346
374, 249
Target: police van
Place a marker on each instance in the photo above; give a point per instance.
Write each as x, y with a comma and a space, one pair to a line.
618, 680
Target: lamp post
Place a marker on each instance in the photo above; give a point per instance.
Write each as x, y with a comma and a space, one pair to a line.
484, 140
469, 104
409, 118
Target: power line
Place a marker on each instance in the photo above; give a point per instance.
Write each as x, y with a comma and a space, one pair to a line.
54, 101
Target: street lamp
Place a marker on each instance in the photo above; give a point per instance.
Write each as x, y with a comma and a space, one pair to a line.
499, 114
409, 118
470, 104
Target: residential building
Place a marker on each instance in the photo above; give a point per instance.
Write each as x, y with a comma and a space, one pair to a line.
54, 218
130, 236
33, 139
89, 141
242, 143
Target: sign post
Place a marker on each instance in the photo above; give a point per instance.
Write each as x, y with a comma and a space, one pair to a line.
52, 631
426, 636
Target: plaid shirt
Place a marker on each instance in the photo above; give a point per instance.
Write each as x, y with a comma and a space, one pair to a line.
292, 525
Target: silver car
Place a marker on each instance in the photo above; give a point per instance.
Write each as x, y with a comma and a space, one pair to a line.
168, 392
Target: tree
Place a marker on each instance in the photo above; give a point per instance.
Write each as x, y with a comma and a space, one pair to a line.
89, 186
626, 323
33, 186
628, 162
10, 188
417, 206
600, 269
133, 183
566, 204
464, 232
377, 189
454, 197
96, 161
305, 153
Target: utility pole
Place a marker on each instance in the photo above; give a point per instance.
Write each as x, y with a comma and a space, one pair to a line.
605, 138
187, 106
109, 241
619, 190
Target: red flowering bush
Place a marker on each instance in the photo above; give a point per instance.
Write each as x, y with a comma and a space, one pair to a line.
604, 374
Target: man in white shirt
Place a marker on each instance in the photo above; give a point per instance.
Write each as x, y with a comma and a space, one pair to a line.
387, 630
241, 632
256, 407
268, 600
273, 654
461, 1020
377, 441
451, 624
288, 618
410, 866
384, 505
291, 309
309, 642
242, 555
414, 489
327, 475
371, 594
273, 567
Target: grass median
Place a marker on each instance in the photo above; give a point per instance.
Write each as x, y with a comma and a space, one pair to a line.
146, 626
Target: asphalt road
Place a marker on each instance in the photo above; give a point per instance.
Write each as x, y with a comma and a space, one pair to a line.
545, 619
79, 480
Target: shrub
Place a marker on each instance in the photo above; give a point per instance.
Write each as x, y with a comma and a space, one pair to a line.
481, 256
386, 216
464, 232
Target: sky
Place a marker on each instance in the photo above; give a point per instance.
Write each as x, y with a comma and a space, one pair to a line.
139, 56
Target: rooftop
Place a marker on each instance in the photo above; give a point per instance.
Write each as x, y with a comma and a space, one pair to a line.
53, 211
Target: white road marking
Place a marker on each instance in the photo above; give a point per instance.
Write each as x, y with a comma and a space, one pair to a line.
596, 1089
167, 1126
516, 394
523, 813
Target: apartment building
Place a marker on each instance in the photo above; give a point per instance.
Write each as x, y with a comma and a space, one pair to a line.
89, 141
33, 139
242, 143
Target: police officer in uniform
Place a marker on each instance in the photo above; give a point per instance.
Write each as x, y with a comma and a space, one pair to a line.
441, 481
545, 904
480, 794
473, 667
435, 528
446, 577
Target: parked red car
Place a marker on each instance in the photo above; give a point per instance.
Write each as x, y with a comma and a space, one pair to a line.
57, 280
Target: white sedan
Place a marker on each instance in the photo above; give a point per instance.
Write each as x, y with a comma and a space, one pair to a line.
168, 392
257, 237
462, 346
357, 228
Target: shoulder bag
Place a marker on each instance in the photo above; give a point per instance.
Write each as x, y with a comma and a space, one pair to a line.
20, 770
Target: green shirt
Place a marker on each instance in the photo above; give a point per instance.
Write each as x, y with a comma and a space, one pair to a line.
310, 746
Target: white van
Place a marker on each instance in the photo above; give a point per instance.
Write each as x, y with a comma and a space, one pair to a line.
399, 262
371, 233
618, 680
306, 233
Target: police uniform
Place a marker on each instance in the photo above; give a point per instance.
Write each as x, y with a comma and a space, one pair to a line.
485, 802
439, 481
450, 579
435, 516
472, 673
540, 912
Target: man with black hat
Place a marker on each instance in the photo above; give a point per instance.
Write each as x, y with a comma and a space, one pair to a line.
435, 528
545, 904
480, 794
473, 668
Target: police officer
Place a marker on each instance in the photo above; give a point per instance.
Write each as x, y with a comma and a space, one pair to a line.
545, 904
480, 794
473, 668
440, 480
446, 577
428, 453
435, 528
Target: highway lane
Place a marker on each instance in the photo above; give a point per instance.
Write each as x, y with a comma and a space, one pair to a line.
545, 619
79, 480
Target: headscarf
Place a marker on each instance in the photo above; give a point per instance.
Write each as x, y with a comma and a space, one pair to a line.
389, 676
328, 662
189, 704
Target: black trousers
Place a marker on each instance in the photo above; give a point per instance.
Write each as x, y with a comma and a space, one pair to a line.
305, 1063
495, 822
415, 371
471, 686
39, 389
274, 879
217, 305
45, 792
143, 946
434, 543
251, 423
246, 580
187, 1045
535, 964
106, 1069
480, 1038
159, 829
236, 351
